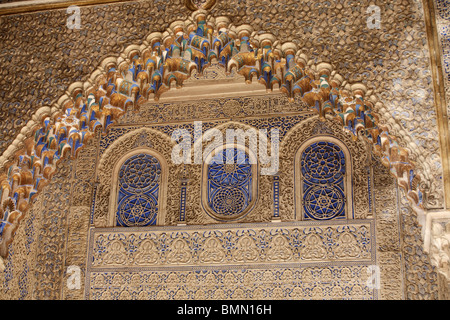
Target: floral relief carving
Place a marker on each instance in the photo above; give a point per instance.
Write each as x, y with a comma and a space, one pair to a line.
179, 252
259, 244
348, 246
212, 252
56, 204
116, 254
440, 247
314, 248
420, 274
347, 282
101, 205
296, 245
147, 253
76, 249
279, 249
246, 250
324, 91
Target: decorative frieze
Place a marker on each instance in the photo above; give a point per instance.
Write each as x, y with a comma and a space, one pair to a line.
231, 245
274, 282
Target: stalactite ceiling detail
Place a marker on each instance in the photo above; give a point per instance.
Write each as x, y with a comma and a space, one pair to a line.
164, 61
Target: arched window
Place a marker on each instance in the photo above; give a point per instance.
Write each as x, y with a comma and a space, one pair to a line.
138, 191
324, 181
229, 183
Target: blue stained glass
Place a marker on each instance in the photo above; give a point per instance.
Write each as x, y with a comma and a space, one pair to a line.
229, 183
323, 172
138, 191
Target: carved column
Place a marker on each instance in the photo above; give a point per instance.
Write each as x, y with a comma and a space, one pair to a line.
182, 218
276, 198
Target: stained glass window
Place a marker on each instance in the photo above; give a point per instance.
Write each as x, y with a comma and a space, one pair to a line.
323, 181
229, 183
138, 193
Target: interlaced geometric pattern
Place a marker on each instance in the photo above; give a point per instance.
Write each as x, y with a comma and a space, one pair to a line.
138, 191
323, 172
229, 183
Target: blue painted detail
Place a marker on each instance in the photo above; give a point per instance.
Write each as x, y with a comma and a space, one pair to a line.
229, 183
323, 172
138, 193
183, 202
276, 196
23, 280
9, 269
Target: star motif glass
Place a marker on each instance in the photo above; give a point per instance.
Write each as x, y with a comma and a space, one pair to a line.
229, 183
323, 172
138, 191
228, 201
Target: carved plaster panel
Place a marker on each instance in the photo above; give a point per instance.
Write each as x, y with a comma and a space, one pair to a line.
273, 283
231, 244
135, 264
400, 123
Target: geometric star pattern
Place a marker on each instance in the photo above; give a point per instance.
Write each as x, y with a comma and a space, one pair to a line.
137, 211
229, 191
323, 172
138, 191
324, 202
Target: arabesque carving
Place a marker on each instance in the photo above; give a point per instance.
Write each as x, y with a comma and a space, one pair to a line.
220, 250
284, 271
167, 59
288, 243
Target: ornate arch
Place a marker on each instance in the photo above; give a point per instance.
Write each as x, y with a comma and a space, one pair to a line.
160, 164
347, 196
214, 139
163, 61
240, 204
310, 130
137, 141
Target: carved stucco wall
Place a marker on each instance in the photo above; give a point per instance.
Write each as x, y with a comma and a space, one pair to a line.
442, 9
36, 268
436, 227
49, 57
55, 234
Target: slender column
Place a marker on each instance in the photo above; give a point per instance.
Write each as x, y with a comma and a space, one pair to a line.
182, 217
276, 198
